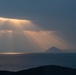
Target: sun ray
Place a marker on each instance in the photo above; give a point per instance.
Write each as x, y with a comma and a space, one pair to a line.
27, 31
32, 35
46, 40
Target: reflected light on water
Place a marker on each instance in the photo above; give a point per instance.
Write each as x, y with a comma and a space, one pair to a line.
11, 53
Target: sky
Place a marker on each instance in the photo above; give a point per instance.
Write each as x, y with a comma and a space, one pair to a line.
55, 16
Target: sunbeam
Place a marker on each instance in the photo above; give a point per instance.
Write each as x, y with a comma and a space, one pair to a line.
47, 39
19, 35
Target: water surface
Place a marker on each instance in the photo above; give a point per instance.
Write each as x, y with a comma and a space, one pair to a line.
16, 62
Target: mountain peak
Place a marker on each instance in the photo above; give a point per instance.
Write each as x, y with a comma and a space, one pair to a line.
57, 50
54, 47
54, 50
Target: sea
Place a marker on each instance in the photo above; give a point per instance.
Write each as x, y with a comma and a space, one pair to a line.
17, 62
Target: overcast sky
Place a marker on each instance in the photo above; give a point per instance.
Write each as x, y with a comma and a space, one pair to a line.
57, 15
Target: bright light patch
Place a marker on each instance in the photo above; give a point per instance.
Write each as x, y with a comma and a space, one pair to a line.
16, 24
9, 53
1, 18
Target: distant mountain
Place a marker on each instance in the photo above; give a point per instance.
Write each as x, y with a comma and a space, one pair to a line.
54, 50
44, 70
57, 50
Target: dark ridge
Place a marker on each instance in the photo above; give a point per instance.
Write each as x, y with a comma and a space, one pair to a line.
44, 70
